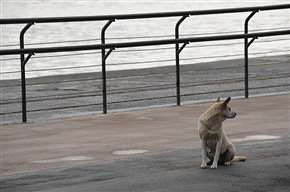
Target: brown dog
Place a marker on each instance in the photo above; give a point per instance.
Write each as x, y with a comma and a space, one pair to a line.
215, 144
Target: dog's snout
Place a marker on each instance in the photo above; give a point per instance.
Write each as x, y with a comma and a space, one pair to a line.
231, 115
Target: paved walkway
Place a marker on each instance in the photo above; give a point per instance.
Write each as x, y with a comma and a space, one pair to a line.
102, 138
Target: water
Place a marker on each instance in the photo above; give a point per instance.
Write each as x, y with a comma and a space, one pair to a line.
58, 34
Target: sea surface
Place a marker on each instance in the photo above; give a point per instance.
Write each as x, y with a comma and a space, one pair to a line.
84, 33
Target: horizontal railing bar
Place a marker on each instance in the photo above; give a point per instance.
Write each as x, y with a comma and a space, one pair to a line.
138, 37
233, 90
144, 99
139, 16
55, 108
141, 89
136, 76
149, 49
140, 43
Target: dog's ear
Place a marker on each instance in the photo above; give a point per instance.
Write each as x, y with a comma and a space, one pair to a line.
218, 99
226, 102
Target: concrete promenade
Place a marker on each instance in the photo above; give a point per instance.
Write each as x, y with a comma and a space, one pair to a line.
61, 96
148, 150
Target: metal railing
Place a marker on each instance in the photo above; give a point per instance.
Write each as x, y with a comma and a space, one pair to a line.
112, 46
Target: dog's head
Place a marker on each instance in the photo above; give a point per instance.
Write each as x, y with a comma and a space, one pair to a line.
217, 113
225, 109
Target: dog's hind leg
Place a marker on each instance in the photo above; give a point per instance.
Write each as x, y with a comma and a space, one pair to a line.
210, 156
230, 154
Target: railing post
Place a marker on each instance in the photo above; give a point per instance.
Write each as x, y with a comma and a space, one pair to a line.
177, 52
23, 79
246, 46
104, 57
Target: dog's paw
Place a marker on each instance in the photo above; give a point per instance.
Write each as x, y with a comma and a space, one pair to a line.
203, 166
213, 166
227, 163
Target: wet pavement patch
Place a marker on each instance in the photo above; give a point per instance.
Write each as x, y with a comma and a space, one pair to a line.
130, 152
256, 138
70, 158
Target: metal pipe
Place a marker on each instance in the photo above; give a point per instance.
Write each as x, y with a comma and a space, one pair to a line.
104, 57
178, 97
252, 40
141, 16
183, 46
246, 53
27, 58
109, 52
23, 61
141, 43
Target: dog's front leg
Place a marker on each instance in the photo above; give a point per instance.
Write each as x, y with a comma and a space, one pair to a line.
217, 154
204, 158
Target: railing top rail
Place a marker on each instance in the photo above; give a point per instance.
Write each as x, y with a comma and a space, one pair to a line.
141, 43
140, 16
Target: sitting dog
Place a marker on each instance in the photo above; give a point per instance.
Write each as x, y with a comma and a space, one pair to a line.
215, 144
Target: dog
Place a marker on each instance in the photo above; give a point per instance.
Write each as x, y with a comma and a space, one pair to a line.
214, 143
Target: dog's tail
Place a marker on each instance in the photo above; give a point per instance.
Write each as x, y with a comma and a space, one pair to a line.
239, 158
